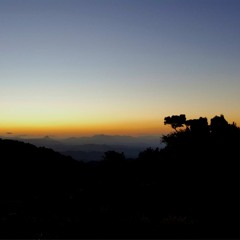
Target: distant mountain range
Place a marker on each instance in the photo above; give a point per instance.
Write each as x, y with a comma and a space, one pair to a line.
92, 148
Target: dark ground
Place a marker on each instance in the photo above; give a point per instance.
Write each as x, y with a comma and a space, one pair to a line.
188, 190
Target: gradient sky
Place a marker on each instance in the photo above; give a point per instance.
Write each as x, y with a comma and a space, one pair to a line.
79, 67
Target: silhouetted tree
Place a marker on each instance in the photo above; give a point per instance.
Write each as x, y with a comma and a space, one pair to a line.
149, 153
175, 121
218, 124
198, 125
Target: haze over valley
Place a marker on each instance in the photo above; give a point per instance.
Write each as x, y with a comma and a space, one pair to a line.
92, 148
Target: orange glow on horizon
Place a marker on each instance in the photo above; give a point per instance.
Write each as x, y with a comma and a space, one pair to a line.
67, 130
133, 128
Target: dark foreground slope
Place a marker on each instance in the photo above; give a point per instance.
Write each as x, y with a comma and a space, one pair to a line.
36, 184
187, 190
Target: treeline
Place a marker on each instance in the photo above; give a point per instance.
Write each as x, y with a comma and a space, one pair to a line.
189, 189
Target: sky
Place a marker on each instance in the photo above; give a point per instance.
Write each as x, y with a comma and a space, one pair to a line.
83, 67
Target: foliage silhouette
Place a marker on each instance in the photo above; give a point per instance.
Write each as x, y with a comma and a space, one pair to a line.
211, 153
175, 121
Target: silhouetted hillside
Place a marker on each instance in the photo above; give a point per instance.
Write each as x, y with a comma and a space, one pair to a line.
35, 185
189, 189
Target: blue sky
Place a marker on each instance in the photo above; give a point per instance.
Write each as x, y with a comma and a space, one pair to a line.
112, 65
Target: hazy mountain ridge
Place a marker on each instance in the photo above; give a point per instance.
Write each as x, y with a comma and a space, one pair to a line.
94, 152
92, 148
